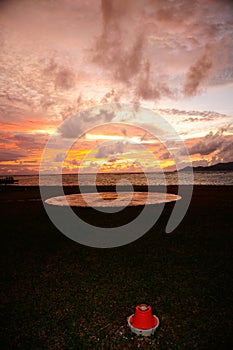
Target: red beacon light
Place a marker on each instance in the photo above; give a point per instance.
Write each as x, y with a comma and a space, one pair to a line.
143, 322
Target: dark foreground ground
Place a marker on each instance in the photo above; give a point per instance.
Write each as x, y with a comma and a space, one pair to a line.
57, 294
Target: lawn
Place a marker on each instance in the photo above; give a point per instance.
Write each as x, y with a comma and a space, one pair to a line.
58, 294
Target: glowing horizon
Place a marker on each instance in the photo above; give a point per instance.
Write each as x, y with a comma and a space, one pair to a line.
177, 62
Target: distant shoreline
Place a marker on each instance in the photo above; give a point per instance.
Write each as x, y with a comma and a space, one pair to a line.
135, 179
216, 167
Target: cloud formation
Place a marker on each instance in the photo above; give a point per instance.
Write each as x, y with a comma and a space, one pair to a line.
79, 124
216, 144
10, 155
111, 149
62, 77
180, 32
70, 55
197, 74
143, 50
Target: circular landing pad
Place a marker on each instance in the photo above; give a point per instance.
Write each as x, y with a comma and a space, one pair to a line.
112, 199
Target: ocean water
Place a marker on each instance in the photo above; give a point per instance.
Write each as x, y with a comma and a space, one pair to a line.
218, 178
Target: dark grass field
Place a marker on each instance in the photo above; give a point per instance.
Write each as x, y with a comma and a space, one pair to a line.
57, 294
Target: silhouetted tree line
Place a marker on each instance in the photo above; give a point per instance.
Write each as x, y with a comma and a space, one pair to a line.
7, 180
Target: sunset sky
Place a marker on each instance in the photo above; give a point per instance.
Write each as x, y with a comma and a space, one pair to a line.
59, 57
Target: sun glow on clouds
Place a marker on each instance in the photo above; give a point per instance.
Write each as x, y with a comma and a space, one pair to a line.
171, 56
99, 149
46, 131
134, 139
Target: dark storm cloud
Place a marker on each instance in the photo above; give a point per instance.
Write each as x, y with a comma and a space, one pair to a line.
107, 11
63, 77
124, 62
128, 60
148, 90
197, 74
120, 48
208, 144
217, 143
